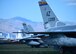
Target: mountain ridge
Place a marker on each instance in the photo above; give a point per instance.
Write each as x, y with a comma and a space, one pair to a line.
15, 24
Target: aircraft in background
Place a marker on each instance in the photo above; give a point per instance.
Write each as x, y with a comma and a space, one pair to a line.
1, 37
6, 38
30, 39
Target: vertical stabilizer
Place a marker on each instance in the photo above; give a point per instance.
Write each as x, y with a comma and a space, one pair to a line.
48, 15
27, 28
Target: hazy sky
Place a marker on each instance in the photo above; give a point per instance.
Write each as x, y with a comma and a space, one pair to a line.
65, 10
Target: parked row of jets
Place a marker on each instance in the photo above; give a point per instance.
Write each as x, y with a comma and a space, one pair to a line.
56, 33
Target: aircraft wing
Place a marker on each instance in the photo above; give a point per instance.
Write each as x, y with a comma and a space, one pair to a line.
67, 33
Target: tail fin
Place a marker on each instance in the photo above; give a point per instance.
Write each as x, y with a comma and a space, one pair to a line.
27, 28
48, 15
